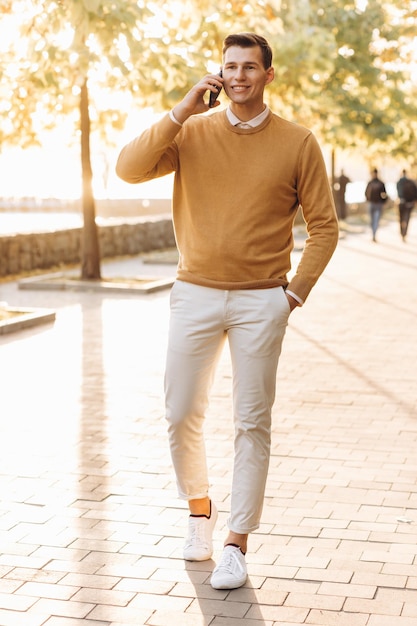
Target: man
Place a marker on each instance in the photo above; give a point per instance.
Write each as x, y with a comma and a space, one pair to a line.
376, 195
240, 176
340, 194
407, 194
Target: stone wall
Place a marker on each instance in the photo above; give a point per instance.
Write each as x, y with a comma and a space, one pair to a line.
24, 253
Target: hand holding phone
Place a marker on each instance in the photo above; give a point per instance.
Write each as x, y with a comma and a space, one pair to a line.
214, 95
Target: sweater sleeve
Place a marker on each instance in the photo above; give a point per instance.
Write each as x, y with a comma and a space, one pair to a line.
319, 213
151, 155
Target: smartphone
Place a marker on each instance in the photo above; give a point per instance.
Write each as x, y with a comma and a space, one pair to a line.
213, 95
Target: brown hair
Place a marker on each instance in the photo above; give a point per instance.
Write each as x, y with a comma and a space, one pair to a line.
250, 40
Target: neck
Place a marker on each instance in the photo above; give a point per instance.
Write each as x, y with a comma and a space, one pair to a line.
245, 113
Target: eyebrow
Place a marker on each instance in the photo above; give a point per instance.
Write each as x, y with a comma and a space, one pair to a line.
242, 63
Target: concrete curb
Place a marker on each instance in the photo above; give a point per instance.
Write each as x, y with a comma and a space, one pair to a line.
62, 281
24, 318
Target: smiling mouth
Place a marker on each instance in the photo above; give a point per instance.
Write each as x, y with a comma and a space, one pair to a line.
239, 87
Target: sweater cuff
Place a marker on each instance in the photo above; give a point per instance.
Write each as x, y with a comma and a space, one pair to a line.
173, 118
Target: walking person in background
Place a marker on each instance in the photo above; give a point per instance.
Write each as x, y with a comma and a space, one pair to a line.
340, 194
240, 176
376, 195
407, 195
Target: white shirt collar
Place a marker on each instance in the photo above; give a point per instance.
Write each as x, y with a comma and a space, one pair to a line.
255, 121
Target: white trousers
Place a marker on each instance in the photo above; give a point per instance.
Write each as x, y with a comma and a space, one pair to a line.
254, 323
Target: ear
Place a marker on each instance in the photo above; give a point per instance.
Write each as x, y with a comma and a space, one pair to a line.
270, 74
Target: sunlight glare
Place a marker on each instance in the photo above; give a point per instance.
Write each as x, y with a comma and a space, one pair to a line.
361, 5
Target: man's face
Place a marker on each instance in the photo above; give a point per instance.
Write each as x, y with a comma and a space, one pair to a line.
245, 76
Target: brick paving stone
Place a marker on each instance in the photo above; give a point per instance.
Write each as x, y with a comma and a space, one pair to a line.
405, 595
180, 575
161, 618
356, 605
259, 596
9, 586
103, 596
14, 618
126, 616
315, 601
78, 567
47, 590
390, 620
387, 557
230, 621
60, 607
380, 580
402, 570
15, 601
340, 564
412, 582
330, 618
139, 585
93, 580
91, 529
211, 606
64, 621
409, 609
279, 614
355, 591
336, 575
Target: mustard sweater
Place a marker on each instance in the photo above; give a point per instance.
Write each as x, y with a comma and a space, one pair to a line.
236, 195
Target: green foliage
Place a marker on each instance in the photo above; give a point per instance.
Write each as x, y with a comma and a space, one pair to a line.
341, 67
368, 87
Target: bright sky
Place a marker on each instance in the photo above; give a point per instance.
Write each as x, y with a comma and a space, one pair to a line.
54, 171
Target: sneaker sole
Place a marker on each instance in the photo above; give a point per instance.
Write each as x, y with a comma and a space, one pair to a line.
236, 585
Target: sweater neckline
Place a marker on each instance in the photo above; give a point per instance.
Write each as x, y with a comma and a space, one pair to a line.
246, 131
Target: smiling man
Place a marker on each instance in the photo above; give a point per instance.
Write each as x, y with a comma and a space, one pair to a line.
240, 176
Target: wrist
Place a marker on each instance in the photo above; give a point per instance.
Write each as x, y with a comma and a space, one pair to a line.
292, 302
180, 114
294, 296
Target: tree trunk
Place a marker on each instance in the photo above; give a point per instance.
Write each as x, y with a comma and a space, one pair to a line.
90, 252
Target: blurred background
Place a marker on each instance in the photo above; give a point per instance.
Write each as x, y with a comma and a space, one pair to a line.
79, 79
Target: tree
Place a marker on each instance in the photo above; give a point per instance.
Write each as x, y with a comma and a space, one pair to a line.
368, 87
64, 48
361, 98
99, 35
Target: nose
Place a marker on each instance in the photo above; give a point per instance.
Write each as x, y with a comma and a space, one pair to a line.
240, 73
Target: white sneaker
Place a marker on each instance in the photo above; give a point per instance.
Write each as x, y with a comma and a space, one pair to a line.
198, 544
231, 572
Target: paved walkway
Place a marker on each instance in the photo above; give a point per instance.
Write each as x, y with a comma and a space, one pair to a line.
90, 525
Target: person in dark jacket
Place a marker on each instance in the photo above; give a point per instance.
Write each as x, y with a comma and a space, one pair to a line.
407, 195
340, 194
376, 196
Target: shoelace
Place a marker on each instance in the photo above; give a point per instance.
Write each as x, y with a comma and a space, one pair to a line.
226, 562
197, 533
